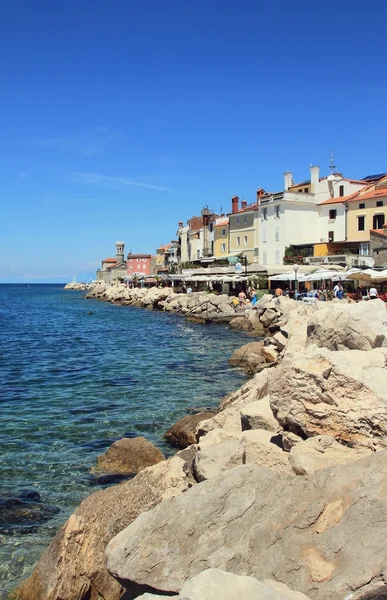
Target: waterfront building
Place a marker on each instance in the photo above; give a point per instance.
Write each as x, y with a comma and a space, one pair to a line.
200, 237
301, 216
346, 223
182, 242
221, 237
162, 259
113, 269
139, 265
244, 232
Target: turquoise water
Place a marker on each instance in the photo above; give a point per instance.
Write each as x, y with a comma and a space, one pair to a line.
72, 382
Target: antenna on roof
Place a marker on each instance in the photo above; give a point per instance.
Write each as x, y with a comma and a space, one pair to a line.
221, 210
332, 166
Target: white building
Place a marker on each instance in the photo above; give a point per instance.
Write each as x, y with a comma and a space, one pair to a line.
293, 217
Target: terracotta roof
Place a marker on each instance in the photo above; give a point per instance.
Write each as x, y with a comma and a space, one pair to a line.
379, 231
370, 195
247, 209
112, 260
164, 247
339, 200
139, 256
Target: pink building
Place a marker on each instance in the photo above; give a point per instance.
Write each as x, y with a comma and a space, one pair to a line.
139, 265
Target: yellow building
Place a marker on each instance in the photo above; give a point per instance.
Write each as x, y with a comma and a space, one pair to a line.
366, 212
243, 230
346, 223
221, 237
162, 258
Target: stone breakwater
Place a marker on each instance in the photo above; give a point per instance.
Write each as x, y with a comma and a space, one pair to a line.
280, 495
199, 307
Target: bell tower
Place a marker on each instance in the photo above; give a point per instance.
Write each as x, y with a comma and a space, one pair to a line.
120, 257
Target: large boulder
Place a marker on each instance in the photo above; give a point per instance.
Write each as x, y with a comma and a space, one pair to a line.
249, 357
215, 583
212, 460
322, 534
321, 452
73, 566
263, 450
258, 415
339, 394
360, 326
183, 433
129, 455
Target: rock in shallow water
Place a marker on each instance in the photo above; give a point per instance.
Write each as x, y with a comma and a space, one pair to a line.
129, 456
23, 512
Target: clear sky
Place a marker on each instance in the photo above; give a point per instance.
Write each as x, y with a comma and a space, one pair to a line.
121, 118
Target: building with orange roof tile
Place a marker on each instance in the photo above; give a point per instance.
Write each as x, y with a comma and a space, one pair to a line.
346, 222
113, 269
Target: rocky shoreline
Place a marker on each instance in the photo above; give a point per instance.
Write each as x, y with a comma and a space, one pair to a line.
279, 494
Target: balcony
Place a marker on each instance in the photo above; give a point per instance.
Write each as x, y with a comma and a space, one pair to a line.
289, 197
349, 260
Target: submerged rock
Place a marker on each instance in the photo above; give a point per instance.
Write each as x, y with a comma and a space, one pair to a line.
23, 512
73, 566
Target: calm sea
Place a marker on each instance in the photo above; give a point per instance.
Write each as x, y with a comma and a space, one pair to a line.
72, 382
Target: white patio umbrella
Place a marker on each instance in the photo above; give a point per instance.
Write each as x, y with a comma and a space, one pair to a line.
321, 275
290, 276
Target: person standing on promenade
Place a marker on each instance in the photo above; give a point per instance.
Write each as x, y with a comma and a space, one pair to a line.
373, 293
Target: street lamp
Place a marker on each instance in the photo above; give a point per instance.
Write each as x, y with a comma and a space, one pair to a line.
295, 268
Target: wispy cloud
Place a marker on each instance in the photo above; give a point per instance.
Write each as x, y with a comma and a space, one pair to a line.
114, 182
93, 143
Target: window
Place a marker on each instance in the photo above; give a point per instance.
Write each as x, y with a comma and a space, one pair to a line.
277, 234
223, 233
305, 190
238, 241
378, 221
331, 236
245, 219
264, 235
364, 249
223, 247
332, 214
341, 191
379, 202
300, 190
264, 214
362, 205
361, 223
277, 212
277, 257
265, 258
238, 220
245, 240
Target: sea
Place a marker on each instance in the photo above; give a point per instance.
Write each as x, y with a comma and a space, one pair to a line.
76, 375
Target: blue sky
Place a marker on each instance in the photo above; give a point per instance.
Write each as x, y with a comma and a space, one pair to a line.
119, 119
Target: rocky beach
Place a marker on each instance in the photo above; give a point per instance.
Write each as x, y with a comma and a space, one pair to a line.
280, 493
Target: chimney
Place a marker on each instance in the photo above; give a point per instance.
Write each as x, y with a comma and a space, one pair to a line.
314, 177
234, 204
288, 179
180, 223
244, 203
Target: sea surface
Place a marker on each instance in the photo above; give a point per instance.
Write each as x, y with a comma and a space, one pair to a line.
71, 383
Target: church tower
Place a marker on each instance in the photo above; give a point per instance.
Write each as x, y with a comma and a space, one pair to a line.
120, 257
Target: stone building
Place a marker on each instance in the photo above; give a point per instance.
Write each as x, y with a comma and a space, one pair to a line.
113, 269
378, 246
